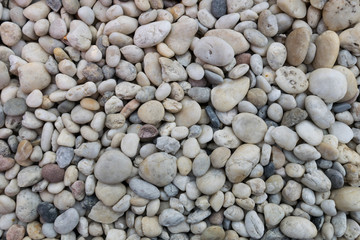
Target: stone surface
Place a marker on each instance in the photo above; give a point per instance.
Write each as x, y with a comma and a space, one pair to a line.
113, 167
298, 227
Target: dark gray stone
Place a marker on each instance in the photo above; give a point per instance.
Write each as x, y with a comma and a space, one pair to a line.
64, 156
47, 212
66, 106
337, 180
218, 8
13, 143
341, 107
213, 78
15, 107
89, 202
324, 164
109, 72
2, 117
214, 120
317, 221
269, 170
274, 234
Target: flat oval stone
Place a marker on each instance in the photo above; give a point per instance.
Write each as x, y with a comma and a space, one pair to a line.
319, 112
338, 15
144, 189
113, 167
214, 50
249, 127
327, 50
170, 217
52, 173
298, 227
235, 39
158, 168
297, 44
211, 182
151, 34
291, 80
66, 221
15, 107
328, 84
227, 95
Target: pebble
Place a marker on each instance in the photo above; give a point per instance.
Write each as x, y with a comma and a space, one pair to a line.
328, 41
345, 199
223, 96
244, 125
214, 50
151, 34
66, 221
47, 212
117, 163
297, 45
291, 80
144, 189
298, 227
170, 217
26, 205
33, 76
213, 232
158, 164
340, 18
337, 180
254, 226
318, 112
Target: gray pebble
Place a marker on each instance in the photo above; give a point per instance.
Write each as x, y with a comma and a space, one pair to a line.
26, 205
346, 59
145, 94
66, 221
198, 216
15, 107
109, 72
171, 190
338, 167
167, 144
324, 164
5, 149
13, 143
200, 94
66, 106
274, 234
341, 107
195, 131
93, 72
144, 189
213, 78
214, 120
2, 117
337, 180
218, 8
55, 5
170, 217
64, 156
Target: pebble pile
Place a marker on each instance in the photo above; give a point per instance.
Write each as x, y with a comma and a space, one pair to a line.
177, 120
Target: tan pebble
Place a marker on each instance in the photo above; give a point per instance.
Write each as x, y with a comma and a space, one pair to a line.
327, 50
297, 44
90, 104
338, 15
34, 230
151, 112
23, 153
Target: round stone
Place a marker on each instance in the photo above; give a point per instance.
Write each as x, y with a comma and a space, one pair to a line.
113, 167
328, 84
291, 80
211, 182
213, 233
33, 76
214, 50
249, 127
15, 107
151, 112
158, 168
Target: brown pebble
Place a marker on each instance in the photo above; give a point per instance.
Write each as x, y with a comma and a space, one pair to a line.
148, 132
23, 153
257, 96
198, 83
243, 58
78, 190
15, 232
130, 107
6, 163
52, 173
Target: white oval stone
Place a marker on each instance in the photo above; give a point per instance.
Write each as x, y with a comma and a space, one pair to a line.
151, 34
291, 80
214, 50
328, 84
298, 227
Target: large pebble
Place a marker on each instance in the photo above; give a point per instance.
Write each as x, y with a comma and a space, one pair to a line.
319, 112
297, 44
227, 95
295, 8
241, 162
190, 113
346, 198
26, 205
291, 80
214, 50
151, 112
79, 35
338, 15
211, 182
249, 127
328, 84
144, 189
33, 76
235, 39
254, 226
298, 227
170, 217
113, 167
285, 137
158, 168
151, 34
327, 50
66, 221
